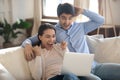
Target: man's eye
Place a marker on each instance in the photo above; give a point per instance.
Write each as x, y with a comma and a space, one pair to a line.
63, 18
54, 36
47, 37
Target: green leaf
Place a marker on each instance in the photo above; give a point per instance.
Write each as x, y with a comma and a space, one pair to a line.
14, 35
8, 31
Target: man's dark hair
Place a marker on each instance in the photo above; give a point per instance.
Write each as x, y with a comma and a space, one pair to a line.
65, 8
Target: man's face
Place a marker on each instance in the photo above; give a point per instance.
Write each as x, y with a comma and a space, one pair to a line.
65, 20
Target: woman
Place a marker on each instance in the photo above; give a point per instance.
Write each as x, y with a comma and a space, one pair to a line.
49, 56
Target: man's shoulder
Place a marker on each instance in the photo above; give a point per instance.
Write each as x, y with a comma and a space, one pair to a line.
57, 25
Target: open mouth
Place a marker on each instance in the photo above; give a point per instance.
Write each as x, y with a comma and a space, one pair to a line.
50, 45
66, 26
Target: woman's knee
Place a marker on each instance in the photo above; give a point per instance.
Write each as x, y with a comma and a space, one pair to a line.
108, 71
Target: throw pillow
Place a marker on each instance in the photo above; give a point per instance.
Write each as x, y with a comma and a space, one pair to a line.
14, 61
105, 49
92, 41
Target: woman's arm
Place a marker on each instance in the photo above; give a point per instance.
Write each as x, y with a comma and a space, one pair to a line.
36, 68
36, 64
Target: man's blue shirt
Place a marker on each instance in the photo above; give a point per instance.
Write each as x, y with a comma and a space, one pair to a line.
75, 35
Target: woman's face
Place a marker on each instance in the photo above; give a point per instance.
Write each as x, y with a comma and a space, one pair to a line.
65, 20
48, 39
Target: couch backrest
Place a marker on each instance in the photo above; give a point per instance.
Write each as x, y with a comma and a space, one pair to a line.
13, 60
105, 49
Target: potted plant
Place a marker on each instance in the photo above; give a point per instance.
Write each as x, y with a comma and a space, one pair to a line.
8, 31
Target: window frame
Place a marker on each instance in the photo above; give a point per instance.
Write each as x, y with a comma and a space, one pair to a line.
48, 17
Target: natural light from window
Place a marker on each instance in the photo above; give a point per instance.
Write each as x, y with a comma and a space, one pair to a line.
50, 10
93, 5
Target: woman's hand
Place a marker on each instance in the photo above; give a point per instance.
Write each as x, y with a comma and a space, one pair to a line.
28, 51
63, 45
36, 51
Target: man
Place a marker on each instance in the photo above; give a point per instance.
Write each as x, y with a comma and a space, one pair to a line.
74, 34
68, 30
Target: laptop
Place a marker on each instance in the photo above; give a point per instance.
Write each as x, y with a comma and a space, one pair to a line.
78, 63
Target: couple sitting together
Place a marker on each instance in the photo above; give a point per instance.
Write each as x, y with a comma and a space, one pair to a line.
45, 51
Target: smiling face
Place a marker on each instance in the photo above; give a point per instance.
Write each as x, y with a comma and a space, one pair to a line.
65, 20
48, 38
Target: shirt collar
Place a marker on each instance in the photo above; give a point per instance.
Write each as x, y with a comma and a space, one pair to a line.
58, 25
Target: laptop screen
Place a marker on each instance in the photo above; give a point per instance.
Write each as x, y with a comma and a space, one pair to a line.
78, 63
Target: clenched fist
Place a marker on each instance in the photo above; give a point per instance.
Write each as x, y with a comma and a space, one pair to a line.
63, 45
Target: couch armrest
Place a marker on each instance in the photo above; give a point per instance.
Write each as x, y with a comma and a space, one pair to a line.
4, 74
14, 61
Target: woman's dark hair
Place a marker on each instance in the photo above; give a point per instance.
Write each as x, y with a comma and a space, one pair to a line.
65, 8
44, 27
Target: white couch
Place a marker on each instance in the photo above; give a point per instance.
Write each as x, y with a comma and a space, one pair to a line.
13, 65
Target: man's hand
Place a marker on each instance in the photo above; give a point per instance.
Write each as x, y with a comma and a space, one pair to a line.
78, 11
63, 45
36, 50
28, 51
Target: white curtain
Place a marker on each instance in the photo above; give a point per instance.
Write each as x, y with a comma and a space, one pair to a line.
6, 10
82, 4
106, 11
37, 16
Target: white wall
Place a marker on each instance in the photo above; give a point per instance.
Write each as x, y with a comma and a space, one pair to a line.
116, 11
22, 9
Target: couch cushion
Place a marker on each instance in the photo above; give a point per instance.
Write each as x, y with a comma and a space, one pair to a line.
13, 60
92, 41
105, 49
4, 74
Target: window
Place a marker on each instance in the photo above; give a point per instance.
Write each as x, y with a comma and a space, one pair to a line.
50, 9
93, 5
